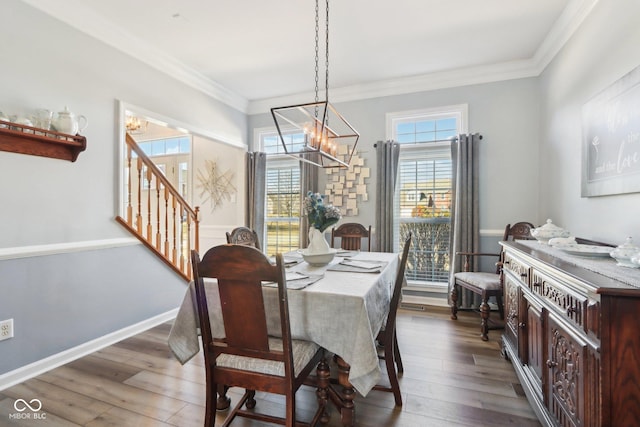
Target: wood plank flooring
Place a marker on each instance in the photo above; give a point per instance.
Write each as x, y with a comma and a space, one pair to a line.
451, 378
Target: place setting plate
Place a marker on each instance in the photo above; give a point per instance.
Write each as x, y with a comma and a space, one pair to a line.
586, 250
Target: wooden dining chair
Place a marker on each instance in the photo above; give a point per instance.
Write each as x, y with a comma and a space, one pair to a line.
351, 235
248, 356
486, 284
387, 337
243, 236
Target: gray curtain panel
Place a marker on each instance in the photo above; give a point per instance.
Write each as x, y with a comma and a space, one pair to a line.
256, 189
465, 234
308, 182
387, 156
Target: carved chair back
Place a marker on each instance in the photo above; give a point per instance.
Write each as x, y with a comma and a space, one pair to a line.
351, 235
243, 236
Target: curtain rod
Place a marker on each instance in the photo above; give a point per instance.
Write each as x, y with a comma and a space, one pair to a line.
438, 140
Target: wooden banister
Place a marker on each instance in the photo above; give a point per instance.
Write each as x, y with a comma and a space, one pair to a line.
157, 214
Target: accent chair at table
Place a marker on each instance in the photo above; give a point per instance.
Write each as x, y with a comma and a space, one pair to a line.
243, 236
248, 356
486, 284
351, 235
387, 338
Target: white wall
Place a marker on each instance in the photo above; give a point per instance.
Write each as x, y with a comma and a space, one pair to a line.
216, 220
605, 48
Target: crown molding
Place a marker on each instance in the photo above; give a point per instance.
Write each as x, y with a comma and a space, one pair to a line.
562, 30
568, 22
75, 14
426, 82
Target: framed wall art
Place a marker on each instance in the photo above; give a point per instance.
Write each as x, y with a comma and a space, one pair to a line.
611, 139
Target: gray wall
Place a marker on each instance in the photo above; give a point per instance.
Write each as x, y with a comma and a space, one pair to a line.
59, 301
505, 113
531, 152
603, 49
64, 300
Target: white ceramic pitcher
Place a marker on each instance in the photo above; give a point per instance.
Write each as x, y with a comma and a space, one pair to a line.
67, 122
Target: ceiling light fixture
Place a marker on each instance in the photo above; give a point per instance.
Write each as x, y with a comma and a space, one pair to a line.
316, 132
134, 125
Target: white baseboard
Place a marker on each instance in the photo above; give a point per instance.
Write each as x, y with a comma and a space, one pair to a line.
421, 303
34, 369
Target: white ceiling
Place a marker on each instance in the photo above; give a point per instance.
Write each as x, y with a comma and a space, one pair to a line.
250, 52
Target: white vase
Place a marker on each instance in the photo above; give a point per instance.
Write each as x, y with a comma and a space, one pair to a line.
317, 243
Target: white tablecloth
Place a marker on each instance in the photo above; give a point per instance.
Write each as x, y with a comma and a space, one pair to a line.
342, 312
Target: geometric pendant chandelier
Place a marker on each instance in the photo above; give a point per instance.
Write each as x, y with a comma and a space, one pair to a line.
316, 132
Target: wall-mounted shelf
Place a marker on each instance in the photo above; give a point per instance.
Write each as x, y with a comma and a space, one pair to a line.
23, 139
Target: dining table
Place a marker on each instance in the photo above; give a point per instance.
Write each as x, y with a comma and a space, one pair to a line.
340, 306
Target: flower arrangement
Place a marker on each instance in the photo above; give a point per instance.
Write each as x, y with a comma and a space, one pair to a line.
320, 216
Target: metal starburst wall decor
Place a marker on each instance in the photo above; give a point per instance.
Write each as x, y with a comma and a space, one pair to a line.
215, 186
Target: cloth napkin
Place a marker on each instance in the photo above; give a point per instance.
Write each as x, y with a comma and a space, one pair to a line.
289, 260
359, 266
297, 280
347, 254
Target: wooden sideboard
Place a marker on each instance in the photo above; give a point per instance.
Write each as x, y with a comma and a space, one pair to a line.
573, 336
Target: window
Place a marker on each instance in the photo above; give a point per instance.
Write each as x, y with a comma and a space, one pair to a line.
172, 157
167, 146
423, 191
282, 218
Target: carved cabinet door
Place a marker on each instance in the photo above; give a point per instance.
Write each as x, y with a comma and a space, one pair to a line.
566, 371
533, 342
511, 310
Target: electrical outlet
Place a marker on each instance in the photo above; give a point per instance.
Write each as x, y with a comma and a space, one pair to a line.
6, 329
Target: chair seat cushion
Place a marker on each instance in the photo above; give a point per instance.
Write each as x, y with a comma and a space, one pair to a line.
483, 281
303, 352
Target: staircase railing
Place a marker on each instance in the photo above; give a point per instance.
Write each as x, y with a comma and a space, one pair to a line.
157, 214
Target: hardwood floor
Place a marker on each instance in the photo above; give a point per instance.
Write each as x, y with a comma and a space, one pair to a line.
451, 378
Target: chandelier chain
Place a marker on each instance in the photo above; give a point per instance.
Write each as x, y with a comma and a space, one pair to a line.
326, 82
317, 47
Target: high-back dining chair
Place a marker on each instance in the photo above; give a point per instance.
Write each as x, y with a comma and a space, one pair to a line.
243, 236
247, 356
486, 284
351, 235
387, 337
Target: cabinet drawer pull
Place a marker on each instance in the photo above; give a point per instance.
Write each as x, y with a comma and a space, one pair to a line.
522, 325
551, 364
506, 262
523, 275
570, 311
537, 284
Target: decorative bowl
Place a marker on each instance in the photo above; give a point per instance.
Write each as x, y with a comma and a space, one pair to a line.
318, 260
549, 231
625, 253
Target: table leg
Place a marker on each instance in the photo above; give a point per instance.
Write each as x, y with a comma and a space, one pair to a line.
322, 391
347, 408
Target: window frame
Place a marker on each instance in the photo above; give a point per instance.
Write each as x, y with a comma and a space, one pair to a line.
279, 160
422, 150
